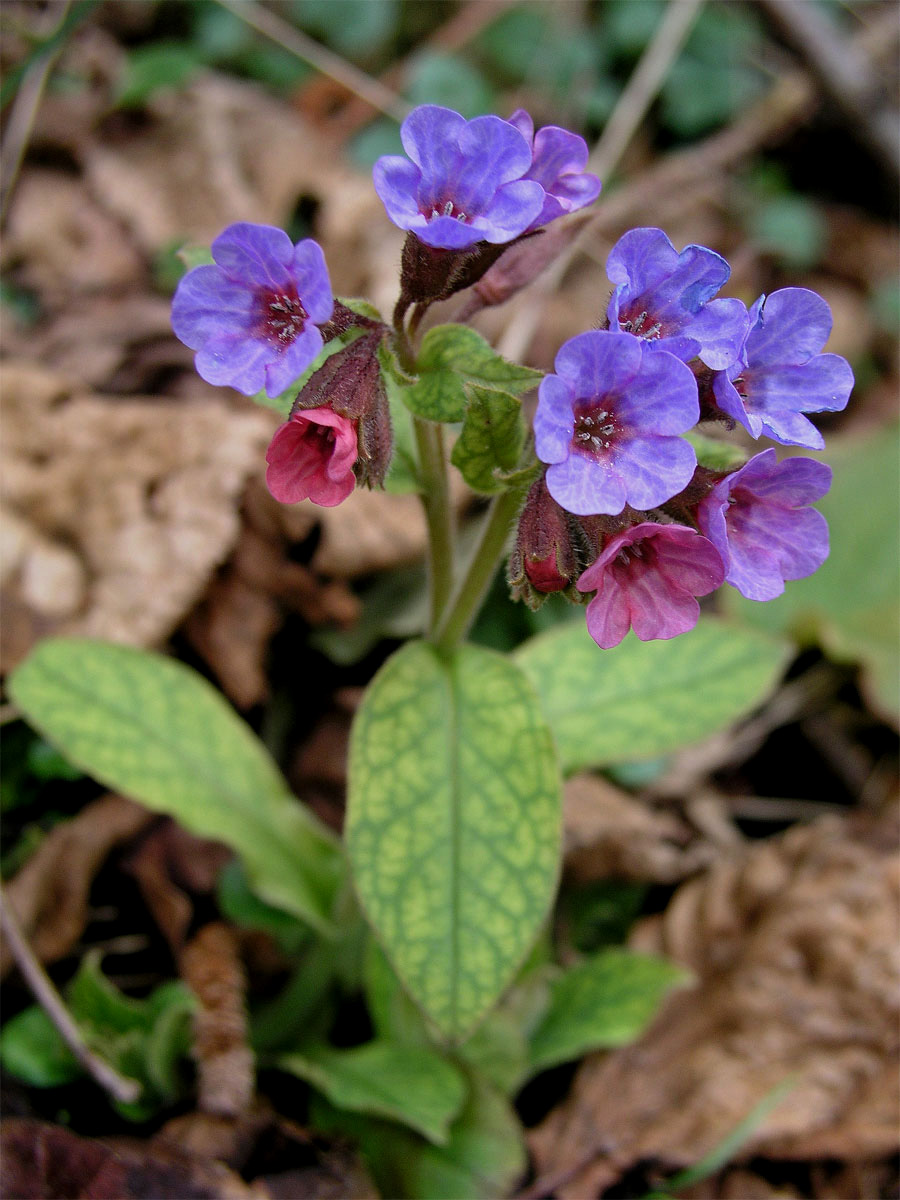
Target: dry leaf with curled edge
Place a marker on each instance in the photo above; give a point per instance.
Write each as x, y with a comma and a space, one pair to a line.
244, 606
796, 948
143, 492
612, 835
232, 153
64, 241
50, 892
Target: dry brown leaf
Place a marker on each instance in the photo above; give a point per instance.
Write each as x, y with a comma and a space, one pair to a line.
232, 153
171, 866
212, 969
145, 491
61, 240
739, 1184
795, 943
610, 834
231, 630
370, 531
50, 1161
243, 608
50, 892
315, 1170
109, 341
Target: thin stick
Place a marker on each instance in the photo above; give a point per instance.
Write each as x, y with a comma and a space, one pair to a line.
845, 72
324, 60
631, 107
642, 87
124, 1090
24, 111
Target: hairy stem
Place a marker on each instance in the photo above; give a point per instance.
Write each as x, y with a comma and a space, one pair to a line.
435, 485
438, 514
470, 592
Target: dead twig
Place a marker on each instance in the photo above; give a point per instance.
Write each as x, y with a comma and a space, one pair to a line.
126, 1091
631, 108
460, 28
25, 107
270, 25
791, 101
845, 73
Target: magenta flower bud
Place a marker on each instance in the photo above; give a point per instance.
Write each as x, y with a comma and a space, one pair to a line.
549, 546
311, 457
544, 574
646, 579
253, 318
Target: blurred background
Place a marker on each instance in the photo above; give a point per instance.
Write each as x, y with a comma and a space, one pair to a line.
134, 508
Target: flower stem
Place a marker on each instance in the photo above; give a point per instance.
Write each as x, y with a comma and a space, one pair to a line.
438, 514
469, 594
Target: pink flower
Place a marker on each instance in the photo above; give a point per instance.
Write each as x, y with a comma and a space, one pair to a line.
646, 578
311, 457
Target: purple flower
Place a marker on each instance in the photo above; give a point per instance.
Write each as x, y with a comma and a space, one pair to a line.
666, 298
780, 373
757, 520
464, 184
646, 579
252, 317
608, 422
558, 159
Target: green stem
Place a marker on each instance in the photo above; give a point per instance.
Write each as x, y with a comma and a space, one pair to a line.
472, 588
438, 514
435, 485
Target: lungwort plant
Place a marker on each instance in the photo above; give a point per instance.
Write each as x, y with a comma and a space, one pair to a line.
612, 498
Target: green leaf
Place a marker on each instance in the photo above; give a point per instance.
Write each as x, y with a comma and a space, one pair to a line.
452, 356
32, 1050
793, 228
352, 27
714, 453
154, 67
491, 438
240, 905
453, 824
394, 1015
851, 603
410, 1084
607, 1000
146, 1040
154, 730
647, 698
436, 77
499, 1048
483, 1158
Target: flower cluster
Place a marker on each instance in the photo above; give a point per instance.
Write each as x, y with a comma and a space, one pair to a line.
621, 512
608, 427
